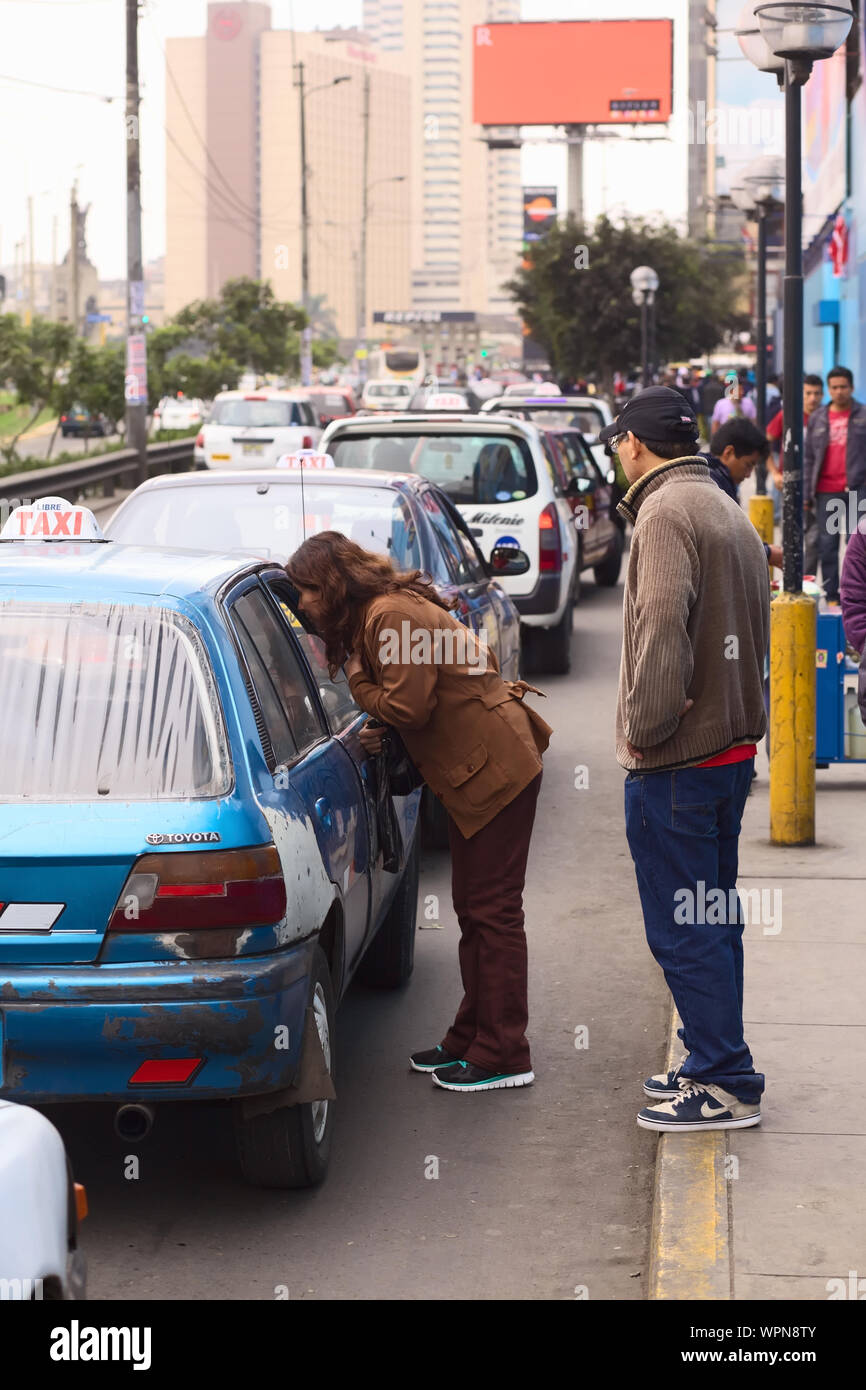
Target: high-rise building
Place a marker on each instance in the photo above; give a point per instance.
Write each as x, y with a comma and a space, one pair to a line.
467, 216
234, 164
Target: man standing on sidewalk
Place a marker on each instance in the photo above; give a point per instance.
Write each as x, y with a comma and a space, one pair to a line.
696, 620
834, 464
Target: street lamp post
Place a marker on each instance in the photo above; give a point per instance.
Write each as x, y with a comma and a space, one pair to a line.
644, 284
757, 196
799, 33
307, 333
362, 271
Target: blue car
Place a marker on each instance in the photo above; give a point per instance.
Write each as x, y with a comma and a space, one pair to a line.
190, 868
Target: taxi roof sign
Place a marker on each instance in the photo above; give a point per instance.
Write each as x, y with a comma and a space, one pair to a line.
305, 458
51, 519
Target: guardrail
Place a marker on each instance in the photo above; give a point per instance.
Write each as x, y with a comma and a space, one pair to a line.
72, 480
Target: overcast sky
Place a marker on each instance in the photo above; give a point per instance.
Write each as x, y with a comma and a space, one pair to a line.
52, 137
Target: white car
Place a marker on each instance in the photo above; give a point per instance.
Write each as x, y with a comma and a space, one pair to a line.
40, 1208
589, 414
178, 413
498, 472
387, 395
253, 429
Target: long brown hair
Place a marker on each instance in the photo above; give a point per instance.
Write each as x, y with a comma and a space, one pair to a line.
347, 578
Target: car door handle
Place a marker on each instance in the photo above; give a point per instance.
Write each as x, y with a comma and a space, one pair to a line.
323, 811
476, 530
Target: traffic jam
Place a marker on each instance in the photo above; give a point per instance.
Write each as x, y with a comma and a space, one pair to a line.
194, 861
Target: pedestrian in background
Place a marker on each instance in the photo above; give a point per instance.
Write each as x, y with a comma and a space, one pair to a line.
834, 466
813, 394
734, 404
696, 617
478, 747
735, 450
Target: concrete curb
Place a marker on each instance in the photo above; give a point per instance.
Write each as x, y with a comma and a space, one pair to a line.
690, 1245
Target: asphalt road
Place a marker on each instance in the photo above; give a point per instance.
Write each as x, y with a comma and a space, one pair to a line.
543, 1193
37, 446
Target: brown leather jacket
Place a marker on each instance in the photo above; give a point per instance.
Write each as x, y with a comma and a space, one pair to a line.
474, 741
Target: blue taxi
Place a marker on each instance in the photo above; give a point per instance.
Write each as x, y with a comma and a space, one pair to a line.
190, 871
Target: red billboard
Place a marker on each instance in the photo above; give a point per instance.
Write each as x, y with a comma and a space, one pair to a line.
574, 72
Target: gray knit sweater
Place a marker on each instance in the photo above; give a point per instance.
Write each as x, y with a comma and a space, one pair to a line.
696, 621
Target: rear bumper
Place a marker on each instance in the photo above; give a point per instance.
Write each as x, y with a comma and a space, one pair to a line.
543, 607
80, 1032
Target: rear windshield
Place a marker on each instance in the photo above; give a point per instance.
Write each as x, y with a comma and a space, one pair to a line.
260, 414
470, 468
270, 519
390, 389
106, 702
329, 404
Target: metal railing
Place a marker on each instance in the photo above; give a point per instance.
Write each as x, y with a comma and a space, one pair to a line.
105, 471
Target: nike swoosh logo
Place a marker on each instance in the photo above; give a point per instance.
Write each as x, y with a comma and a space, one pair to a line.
711, 1111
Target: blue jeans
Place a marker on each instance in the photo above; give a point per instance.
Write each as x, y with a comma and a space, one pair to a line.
683, 829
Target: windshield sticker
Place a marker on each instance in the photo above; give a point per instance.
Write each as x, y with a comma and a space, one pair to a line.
503, 496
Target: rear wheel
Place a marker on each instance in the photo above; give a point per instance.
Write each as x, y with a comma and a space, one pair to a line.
291, 1146
607, 573
551, 646
389, 959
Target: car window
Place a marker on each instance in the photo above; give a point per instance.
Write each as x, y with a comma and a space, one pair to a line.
583, 462
469, 468
292, 722
258, 414
306, 413
472, 559
446, 535
336, 697
107, 702
588, 419
550, 460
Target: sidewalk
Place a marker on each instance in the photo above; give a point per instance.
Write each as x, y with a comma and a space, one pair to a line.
776, 1211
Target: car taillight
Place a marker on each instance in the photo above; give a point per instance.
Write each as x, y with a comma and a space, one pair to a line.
308, 442
549, 541
63, 418
199, 440
202, 889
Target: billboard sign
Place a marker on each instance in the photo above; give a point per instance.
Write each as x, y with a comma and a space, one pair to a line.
574, 72
539, 212
824, 141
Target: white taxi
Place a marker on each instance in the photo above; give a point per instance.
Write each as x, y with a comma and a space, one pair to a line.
252, 429
499, 472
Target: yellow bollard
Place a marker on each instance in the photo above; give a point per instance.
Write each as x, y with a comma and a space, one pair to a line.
761, 517
793, 635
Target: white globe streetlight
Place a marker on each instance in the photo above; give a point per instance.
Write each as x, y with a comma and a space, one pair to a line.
753, 44
804, 29
644, 284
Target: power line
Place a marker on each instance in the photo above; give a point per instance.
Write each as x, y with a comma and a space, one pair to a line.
47, 87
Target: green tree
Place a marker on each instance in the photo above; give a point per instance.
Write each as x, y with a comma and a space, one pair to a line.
576, 299
246, 323
95, 378
34, 359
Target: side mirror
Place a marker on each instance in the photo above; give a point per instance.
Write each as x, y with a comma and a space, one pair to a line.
506, 561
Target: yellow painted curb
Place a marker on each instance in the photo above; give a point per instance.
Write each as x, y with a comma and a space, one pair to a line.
690, 1248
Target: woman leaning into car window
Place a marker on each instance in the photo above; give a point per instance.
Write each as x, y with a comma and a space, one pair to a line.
414, 667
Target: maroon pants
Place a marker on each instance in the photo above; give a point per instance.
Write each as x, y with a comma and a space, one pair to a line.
487, 877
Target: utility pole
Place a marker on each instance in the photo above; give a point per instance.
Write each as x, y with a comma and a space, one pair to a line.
136, 360
72, 307
307, 333
54, 268
365, 210
31, 272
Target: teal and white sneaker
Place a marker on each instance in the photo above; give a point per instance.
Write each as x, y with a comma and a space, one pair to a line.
465, 1076
700, 1106
664, 1085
